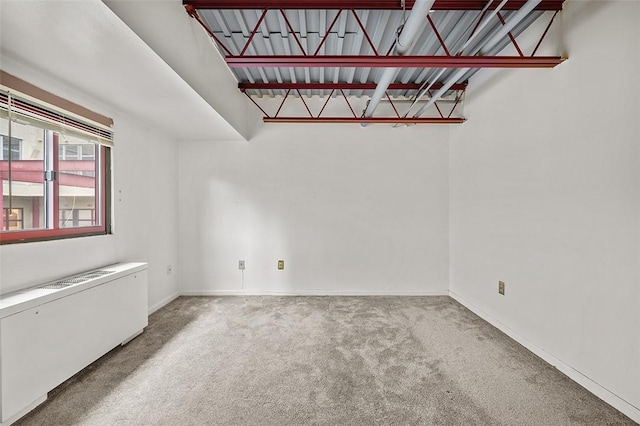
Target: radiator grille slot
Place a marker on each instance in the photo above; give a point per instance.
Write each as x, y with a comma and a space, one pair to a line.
66, 282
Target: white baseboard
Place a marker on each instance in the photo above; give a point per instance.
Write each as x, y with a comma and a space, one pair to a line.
319, 292
589, 384
163, 302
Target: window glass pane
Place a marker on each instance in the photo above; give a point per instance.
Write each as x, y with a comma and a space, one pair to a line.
12, 219
4, 174
23, 176
88, 151
77, 182
51, 176
10, 147
69, 152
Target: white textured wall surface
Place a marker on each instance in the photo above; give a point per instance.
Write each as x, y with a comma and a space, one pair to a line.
145, 210
145, 161
146, 204
350, 210
545, 195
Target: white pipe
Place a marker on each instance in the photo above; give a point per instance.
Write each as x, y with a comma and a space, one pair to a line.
388, 75
509, 25
426, 89
460, 51
414, 24
406, 39
483, 24
445, 87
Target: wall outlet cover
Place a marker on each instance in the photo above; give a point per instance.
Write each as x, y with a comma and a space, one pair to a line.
241, 265
280, 264
501, 287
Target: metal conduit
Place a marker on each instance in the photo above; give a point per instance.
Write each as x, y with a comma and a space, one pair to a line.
484, 23
423, 89
495, 39
407, 37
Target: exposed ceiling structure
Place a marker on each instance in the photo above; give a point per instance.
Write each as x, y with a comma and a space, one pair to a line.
411, 60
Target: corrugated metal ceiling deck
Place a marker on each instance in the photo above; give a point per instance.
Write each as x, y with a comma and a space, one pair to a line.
234, 27
271, 42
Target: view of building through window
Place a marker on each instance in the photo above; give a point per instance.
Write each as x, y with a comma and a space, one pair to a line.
12, 219
69, 186
55, 166
13, 147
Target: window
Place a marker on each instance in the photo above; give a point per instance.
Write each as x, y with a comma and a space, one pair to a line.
10, 148
12, 219
54, 171
70, 218
77, 152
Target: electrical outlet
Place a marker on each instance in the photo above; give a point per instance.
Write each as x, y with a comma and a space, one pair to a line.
169, 269
280, 264
501, 287
241, 265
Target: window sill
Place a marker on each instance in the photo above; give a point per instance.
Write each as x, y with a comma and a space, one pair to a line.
17, 237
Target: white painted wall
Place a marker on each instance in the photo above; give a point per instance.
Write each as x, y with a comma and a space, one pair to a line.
145, 159
350, 210
145, 208
545, 195
146, 204
183, 44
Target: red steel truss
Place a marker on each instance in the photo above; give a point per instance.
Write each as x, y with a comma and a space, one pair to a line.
339, 86
237, 58
361, 4
370, 120
442, 118
297, 61
306, 60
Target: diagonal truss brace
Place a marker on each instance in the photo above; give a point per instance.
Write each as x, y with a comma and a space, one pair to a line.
338, 89
314, 60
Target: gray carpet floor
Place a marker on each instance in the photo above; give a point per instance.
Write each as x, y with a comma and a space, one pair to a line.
321, 361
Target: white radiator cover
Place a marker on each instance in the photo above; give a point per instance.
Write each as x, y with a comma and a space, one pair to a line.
49, 334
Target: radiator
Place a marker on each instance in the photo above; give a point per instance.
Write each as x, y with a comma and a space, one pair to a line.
50, 332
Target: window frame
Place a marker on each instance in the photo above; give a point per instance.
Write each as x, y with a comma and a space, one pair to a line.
101, 137
102, 210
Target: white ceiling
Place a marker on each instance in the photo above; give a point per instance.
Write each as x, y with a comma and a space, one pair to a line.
84, 45
178, 39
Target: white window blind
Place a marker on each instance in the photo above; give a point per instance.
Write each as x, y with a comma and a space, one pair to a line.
22, 108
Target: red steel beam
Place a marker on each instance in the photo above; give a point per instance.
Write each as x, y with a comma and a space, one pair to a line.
338, 86
64, 179
32, 171
362, 4
38, 165
349, 61
373, 120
